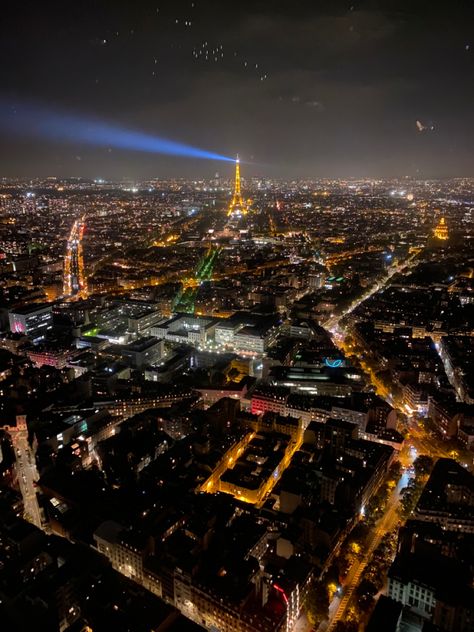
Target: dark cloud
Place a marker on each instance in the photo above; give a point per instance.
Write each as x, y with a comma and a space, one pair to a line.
308, 88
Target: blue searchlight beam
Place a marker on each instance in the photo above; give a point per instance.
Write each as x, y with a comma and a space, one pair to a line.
39, 122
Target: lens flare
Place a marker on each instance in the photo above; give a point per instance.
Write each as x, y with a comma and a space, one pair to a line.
38, 122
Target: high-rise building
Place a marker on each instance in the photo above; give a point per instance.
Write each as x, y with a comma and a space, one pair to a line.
34, 321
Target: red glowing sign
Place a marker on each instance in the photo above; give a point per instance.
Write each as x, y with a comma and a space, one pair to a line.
282, 592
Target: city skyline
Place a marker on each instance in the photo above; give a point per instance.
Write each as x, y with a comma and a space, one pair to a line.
236, 316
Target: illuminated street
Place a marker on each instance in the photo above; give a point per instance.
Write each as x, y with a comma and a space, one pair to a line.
418, 442
75, 282
385, 525
27, 475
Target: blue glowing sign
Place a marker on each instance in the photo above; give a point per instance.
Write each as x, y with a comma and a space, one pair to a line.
333, 364
39, 122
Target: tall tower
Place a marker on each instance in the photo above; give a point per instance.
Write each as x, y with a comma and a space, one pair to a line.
441, 230
237, 205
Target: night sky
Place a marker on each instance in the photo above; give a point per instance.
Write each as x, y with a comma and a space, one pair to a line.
298, 89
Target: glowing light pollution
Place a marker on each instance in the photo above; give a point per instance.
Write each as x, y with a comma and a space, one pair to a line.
39, 122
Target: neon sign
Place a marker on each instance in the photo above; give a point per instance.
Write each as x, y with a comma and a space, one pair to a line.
282, 592
333, 364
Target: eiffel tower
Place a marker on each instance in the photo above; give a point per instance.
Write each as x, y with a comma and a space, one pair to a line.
237, 205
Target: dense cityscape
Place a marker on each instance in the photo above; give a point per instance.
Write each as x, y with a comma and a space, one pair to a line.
236, 316
249, 405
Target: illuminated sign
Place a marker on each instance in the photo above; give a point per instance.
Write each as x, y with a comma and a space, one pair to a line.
282, 592
333, 364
